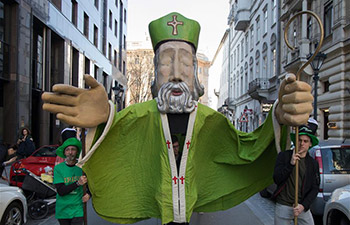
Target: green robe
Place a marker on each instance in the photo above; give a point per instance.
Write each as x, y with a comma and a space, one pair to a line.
130, 177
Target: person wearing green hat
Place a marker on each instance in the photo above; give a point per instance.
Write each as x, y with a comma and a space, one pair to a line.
309, 179
220, 167
68, 180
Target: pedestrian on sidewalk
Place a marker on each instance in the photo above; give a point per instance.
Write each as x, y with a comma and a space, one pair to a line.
25, 144
309, 179
69, 181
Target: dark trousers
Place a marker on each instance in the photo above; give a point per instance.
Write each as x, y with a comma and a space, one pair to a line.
73, 221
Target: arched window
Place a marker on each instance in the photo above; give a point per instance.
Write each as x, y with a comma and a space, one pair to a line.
273, 71
251, 69
257, 62
264, 64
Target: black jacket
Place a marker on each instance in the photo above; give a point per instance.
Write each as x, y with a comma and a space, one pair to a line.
310, 183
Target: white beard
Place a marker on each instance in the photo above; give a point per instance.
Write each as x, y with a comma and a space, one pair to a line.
168, 103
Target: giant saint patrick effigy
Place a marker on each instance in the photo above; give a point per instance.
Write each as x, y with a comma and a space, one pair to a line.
130, 165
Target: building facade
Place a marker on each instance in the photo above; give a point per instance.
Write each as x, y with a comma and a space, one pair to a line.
57, 41
333, 92
252, 61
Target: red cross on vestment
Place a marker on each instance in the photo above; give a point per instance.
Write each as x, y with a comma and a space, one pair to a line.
175, 179
182, 179
174, 24
168, 143
188, 144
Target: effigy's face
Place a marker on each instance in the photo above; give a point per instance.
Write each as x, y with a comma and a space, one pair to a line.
176, 65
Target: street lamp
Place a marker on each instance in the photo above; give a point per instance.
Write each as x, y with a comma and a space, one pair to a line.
316, 65
118, 94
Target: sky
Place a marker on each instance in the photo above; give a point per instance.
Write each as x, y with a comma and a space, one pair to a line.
211, 15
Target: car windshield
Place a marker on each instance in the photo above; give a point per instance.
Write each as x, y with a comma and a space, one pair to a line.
336, 160
46, 151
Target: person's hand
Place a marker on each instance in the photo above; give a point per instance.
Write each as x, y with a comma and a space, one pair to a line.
294, 158
297, 210
86, 197
82, 180
76, 106
294, 102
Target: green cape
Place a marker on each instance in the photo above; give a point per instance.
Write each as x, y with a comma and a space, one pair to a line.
130, 178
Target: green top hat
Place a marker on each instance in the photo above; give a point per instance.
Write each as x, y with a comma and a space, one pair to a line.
309, 131
69, 142
172, 27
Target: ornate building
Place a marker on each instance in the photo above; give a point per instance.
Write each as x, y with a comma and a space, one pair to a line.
49, 42
333, 92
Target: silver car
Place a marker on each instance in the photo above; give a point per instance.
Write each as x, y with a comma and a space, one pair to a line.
337, 209
13, 205
334, 162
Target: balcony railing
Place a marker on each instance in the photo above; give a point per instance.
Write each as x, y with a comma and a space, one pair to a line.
259, 83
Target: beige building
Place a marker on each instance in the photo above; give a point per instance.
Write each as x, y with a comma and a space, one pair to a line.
333, 86
203, 76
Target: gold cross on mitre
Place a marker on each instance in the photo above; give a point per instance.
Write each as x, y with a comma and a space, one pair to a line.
174, 24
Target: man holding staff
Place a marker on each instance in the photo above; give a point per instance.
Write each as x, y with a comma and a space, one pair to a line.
309, 179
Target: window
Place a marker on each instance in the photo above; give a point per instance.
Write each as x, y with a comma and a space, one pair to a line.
246, 43
115, 28
265, 19
264, 66
95, 36
274, 11
124, 15
124, 42
96, 4
74, 12
328, 19
251, 37
124, 67
86, 25
238, 47
242, 50
116, 3
273, 62
231, 62
326, 86
257, 69
308, 29
109, 51
257, 29
235, 61
200, 70
110, 19
115, 58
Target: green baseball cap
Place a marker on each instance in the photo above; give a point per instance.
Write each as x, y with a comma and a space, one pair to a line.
69, 142
173, 27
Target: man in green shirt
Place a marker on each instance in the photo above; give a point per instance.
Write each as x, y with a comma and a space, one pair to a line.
131, 164
68, 179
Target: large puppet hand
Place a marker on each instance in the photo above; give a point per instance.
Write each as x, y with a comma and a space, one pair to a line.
294, 102
76, 106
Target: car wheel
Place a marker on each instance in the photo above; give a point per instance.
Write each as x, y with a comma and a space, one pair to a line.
13, 214
38, 209
344, 221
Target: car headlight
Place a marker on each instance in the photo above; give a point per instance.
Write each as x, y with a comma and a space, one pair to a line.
21, 191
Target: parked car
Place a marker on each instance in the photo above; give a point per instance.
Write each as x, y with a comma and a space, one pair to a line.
333, 158
337, 209
43, 157
13, 205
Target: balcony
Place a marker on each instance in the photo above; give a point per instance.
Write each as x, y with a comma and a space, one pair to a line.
259, 89
242, 14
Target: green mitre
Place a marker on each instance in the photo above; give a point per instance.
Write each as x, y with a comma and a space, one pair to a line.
172, 27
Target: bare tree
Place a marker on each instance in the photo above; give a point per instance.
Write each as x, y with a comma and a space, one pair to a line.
140, 72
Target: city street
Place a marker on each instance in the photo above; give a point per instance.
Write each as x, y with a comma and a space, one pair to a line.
254, 211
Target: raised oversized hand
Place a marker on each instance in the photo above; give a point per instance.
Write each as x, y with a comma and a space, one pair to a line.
76, 106
294, 102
